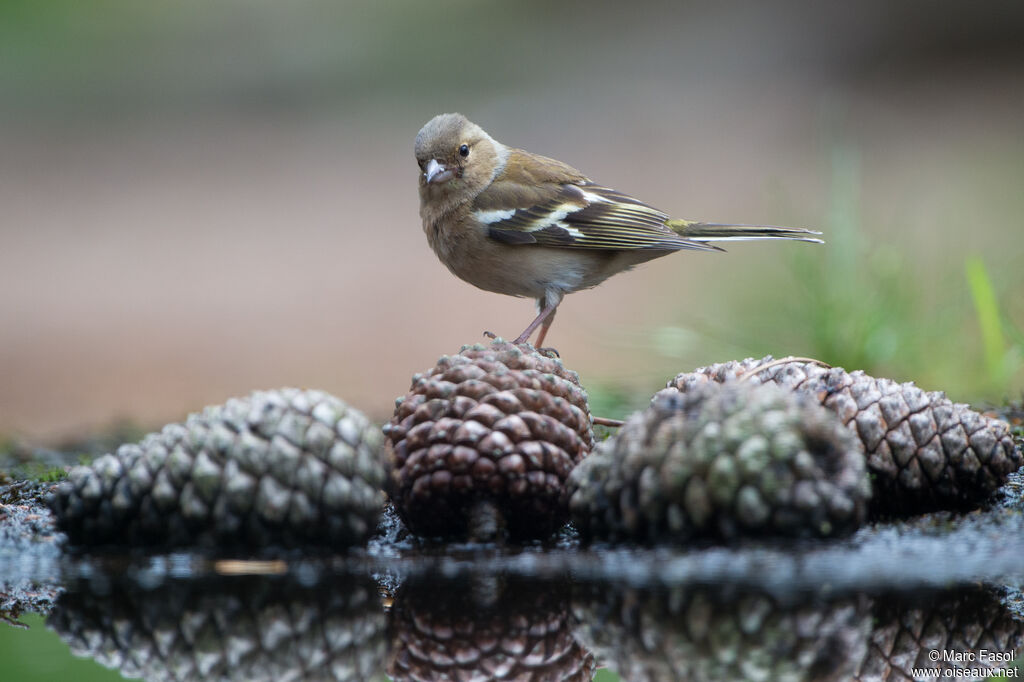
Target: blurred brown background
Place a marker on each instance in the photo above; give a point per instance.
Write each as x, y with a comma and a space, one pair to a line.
201, 199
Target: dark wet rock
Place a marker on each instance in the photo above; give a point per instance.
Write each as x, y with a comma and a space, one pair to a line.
27, 528
15, 493
1012, 493
483, 442
30, 548
491, 627
720, 462
924, 452
240, 628
28, 538
285, 467
1013, 599
23, 597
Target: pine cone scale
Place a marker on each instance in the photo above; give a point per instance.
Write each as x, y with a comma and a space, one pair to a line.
722, 461
255, 471
508, 431
926, 452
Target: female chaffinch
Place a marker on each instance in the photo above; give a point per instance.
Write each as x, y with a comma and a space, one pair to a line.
517, 223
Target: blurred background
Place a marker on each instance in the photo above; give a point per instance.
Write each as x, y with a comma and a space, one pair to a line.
201, 199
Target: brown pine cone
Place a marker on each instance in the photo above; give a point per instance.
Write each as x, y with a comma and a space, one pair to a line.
285, 467
924, 451
484, 441
930, 634
492, 627
723, 461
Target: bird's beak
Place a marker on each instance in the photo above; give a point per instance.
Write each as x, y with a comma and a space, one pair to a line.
436, 172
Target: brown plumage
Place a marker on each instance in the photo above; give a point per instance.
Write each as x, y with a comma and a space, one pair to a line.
521, 224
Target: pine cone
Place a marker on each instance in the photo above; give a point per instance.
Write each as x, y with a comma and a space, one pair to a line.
721, 462
925, 452
239, 628
495, 628
490, 432
905, 636
703, 636
277, 467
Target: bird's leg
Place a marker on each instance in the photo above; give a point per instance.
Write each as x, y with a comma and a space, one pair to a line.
546, 315
544, 328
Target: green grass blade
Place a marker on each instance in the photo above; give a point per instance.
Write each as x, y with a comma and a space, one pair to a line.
987, 309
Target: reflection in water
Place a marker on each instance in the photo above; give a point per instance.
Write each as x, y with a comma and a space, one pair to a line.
486, 627
472, 624
691, 634
242, 628
907, 630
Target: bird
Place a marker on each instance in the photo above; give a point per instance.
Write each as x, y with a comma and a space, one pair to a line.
514, 222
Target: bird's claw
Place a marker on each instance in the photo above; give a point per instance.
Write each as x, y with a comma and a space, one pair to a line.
549, 352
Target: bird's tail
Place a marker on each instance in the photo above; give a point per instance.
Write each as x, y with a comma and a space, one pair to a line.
719, 232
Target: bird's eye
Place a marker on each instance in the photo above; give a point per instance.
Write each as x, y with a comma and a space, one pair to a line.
464, 150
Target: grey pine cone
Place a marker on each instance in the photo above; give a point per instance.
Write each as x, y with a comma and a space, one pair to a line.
245, 628
284, 467
699, 635
483, 442
924, 451
491, 628
721, 462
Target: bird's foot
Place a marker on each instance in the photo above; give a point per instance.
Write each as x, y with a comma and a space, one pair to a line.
549, 352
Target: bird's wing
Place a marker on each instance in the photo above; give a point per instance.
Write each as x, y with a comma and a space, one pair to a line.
536, 200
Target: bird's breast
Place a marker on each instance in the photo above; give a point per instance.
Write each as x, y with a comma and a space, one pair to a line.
514, 270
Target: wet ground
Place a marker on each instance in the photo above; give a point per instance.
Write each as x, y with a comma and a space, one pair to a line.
874, 606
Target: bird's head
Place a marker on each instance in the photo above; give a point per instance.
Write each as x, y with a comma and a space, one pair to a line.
457, 159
